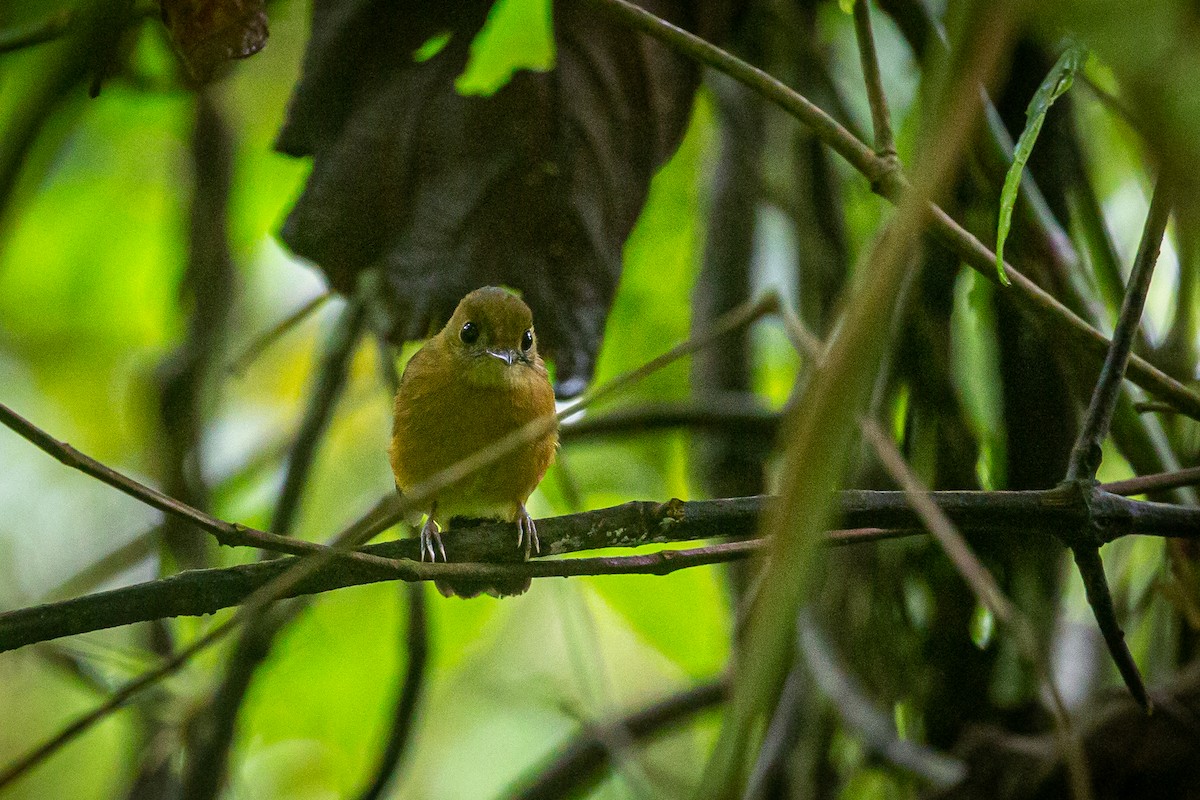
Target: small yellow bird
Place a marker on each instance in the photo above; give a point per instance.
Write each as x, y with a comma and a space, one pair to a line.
473, 383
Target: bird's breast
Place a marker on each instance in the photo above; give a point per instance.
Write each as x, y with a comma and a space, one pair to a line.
440, 420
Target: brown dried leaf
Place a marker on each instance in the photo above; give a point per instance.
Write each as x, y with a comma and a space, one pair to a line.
208, 33
536, 187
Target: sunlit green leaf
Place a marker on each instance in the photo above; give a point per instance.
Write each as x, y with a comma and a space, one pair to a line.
518, 35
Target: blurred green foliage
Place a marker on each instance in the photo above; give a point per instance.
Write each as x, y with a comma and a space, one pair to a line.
92, 254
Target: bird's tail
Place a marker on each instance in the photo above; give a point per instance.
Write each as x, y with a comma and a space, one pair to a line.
468, 588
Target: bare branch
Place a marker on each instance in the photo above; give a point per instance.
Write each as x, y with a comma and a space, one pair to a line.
264, 340
1086, 454
483, 553
226, 533
885, 144
1161, 481
1085, 457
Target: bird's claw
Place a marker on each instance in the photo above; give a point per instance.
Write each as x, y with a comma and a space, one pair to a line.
429, 537
527, 533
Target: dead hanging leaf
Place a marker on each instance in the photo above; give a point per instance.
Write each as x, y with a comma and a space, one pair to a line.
536, 187
208, 33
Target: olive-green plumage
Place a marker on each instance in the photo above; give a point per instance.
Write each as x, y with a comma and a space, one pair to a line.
473, 383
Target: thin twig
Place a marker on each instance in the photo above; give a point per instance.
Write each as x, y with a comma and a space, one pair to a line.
736, 318
1099, 598
226, 533
122, 558
578, 765
1162, 481
876, 728
989, 594
885, 144
729, 414
1085, 456
1154, 407
264, 340
1087, 452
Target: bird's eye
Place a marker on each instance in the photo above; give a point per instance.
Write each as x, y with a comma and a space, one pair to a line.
469, 333
527, 339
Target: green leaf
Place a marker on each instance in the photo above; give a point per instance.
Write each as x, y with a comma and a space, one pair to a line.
519, 34
1055, 84
432, 46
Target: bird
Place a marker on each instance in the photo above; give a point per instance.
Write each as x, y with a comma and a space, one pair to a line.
477, 380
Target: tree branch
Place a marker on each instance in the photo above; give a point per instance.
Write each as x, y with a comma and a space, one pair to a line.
483, 553
1158, 482
885, 145
1086, 454
260, 343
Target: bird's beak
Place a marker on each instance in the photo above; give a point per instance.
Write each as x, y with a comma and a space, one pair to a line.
509, 357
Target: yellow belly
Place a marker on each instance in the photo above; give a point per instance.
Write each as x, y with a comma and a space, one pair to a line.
441, 421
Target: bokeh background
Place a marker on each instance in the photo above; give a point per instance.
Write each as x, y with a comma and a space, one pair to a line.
94, 303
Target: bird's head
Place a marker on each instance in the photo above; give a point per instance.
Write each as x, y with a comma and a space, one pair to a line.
491, 334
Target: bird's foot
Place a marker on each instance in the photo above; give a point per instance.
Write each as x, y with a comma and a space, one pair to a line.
527, 532
430, 536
